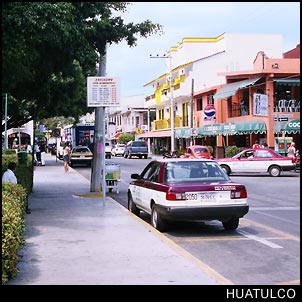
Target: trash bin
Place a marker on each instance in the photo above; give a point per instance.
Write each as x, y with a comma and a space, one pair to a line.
22, 158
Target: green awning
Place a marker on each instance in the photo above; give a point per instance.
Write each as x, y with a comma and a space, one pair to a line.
244, 127
211, 129
233, 128
182, 133
231, 89
287, 82
292, 126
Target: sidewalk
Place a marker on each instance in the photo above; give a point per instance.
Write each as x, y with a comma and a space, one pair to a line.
73, 240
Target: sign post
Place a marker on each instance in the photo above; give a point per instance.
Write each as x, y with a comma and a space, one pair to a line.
101, 92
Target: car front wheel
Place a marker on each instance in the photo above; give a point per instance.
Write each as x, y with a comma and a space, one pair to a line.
156, 220
274, 171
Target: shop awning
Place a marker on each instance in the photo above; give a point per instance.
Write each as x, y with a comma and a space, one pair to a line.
163, 133
117, 135
231, 89
244, 127
233, 128
182, 133
287, 82
292, 126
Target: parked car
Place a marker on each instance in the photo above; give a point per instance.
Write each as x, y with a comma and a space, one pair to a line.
80, 155
136, 148
108, 147
197, 151
187, 190
59, 149
118, 150
257, 160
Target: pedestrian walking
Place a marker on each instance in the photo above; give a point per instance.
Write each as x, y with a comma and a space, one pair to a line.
37, 154
9, 176
66, 156
42, 150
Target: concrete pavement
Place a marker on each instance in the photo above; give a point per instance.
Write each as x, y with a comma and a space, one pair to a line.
71, 240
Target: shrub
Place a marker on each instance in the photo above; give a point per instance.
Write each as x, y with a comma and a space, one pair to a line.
230, 151
13, 209
211, 150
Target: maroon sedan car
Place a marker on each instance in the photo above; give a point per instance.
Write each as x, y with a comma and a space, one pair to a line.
187, 190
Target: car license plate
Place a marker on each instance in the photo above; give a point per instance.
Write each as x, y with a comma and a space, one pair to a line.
82, 156
201, 196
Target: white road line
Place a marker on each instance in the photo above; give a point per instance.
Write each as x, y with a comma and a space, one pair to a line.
275, 208
256, 238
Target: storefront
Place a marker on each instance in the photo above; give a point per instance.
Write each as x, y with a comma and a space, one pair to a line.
286, 132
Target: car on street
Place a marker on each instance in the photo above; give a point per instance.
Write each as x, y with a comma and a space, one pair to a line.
178, 189
136, 148
108, 147
197, 151
262, 160
118, 150
80, 155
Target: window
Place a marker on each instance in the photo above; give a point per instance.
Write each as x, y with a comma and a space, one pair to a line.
199, 104
210, 99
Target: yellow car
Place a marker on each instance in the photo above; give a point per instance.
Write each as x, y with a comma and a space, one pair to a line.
80, 155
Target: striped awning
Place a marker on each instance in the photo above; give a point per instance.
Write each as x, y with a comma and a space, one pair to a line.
230, 89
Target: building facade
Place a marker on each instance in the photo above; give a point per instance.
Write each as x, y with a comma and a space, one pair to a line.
206, 98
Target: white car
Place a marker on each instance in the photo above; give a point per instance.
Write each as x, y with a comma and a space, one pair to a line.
260, 160
118, 150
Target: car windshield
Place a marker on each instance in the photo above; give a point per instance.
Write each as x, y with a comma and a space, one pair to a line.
82, 150
194, 171
200, 150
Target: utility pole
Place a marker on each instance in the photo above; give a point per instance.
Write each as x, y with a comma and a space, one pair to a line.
5, 125
98, 162
191, 112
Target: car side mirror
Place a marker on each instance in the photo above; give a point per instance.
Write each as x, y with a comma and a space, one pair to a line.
134, 176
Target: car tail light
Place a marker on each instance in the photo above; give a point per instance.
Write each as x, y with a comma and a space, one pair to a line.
238, 194
175, 196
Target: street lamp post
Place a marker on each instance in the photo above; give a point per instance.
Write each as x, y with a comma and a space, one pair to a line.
171, 99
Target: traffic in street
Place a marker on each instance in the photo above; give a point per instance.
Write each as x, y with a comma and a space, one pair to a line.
264, 249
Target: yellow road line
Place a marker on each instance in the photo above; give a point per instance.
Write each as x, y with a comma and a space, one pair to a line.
246, 222
290, 282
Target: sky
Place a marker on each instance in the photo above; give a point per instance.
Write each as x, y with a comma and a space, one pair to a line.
134, 67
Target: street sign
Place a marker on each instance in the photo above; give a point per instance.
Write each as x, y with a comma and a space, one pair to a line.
102, 92
193, 131
281, 119
56, 132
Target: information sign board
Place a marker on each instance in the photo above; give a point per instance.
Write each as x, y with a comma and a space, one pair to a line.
103, 92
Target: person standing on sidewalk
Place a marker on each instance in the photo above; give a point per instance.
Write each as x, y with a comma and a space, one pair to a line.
66, 156
42, 150
9, 176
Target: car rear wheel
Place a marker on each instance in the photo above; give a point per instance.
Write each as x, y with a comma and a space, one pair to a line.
274, 171
231, 224
226, 169
156, 220
131, 206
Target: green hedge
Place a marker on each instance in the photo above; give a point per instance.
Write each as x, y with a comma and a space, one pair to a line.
230, 151
14, 198
13, 209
